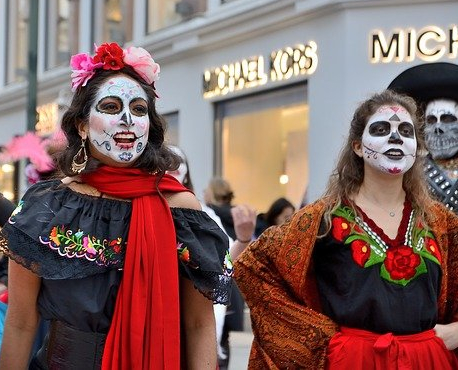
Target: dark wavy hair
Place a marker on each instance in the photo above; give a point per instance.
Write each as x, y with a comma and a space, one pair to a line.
156, 156
276, 209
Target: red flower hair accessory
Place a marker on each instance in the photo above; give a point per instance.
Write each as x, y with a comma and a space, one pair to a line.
110, 56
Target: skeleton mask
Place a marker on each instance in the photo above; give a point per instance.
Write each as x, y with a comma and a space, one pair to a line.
441, 131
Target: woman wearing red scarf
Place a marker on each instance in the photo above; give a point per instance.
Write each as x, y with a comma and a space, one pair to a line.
117, 255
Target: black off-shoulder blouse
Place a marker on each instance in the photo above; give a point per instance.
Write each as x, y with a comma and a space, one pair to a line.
368, 281
77, 243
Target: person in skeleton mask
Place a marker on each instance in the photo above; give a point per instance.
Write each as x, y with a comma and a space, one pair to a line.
435, 87
365, 278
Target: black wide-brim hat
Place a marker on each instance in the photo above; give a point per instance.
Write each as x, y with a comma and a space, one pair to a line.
426, 82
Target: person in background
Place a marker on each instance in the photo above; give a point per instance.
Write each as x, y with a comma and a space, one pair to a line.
279, 212
218, 196
367, 276
244, 222
117, 255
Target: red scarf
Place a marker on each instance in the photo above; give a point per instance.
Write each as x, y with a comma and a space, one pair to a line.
145, 329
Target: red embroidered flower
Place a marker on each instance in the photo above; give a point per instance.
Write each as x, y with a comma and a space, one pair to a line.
184, 255
360, 252
340, 228
433, 248
401, 262
54, 236
111, 55
116, 245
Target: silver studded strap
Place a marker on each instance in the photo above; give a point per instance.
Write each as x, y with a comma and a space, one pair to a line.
440, 186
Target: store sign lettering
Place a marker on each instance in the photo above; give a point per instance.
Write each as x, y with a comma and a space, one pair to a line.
284, 64
289, 62
430, 43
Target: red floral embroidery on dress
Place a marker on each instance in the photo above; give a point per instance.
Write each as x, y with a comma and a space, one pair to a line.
360, 251
401, 262
433, 248
401, 259
340, 228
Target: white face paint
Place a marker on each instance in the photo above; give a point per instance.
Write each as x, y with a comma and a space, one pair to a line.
119, 121
388, 142
182, 170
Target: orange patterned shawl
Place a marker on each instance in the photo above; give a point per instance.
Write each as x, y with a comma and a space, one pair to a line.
276, 277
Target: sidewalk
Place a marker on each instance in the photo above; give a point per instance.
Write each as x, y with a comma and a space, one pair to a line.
240, 342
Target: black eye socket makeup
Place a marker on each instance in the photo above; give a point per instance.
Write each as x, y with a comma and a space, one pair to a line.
110, 105
380, 128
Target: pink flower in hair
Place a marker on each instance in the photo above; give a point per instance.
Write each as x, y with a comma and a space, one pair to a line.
83, 68
110, 56
142, 62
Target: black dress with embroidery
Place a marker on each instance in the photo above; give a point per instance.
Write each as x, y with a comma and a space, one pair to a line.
76, 243
368, 281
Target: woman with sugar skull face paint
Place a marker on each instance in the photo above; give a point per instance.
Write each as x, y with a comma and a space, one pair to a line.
118, 255
367, 276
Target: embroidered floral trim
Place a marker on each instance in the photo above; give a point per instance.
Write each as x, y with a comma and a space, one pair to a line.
69, 244
185, 256
399, 263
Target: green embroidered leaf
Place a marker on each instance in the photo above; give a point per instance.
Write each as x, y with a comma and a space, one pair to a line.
354, 237
374, 259
345, 212
424, 252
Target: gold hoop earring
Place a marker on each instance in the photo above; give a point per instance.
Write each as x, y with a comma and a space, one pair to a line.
81, 153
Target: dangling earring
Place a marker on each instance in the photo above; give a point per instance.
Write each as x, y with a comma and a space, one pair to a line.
78, 167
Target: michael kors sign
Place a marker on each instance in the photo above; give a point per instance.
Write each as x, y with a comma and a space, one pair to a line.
283, 65
404, 45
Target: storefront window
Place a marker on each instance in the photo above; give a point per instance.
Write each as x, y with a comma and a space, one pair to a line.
17, 40
263, 146
7, 179
112, 21
61, 31
164, 13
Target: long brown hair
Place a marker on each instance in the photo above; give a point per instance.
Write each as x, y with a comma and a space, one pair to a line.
348, 175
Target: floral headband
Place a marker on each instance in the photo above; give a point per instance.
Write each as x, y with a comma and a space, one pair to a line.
112, 56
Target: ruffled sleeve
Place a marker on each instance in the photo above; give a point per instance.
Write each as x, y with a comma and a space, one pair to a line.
203, 251
59, 234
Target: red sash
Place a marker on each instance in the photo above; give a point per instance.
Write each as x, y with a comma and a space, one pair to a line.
145, 329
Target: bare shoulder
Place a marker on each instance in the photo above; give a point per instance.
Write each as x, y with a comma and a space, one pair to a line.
183, 199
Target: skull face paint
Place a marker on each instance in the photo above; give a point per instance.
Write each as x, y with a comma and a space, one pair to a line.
388, 142
119, 121
441, 130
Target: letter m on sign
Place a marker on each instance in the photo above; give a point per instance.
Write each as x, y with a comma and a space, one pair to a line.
384, 51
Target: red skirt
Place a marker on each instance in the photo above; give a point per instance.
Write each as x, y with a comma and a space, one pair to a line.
357, 349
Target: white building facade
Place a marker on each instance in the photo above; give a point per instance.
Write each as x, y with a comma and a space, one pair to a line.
260, 92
